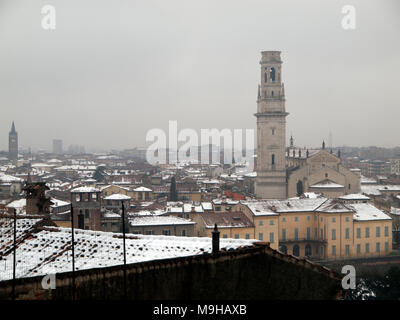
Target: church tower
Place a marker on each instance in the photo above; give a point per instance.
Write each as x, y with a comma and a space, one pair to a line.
13, 143
271, 129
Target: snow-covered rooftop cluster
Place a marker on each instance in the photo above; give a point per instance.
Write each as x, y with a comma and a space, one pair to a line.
48, 251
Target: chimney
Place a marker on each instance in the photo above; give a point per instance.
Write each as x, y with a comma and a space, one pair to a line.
215, 240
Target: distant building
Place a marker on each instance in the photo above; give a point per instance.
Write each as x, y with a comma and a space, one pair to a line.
13, 143
86, 202
57, 146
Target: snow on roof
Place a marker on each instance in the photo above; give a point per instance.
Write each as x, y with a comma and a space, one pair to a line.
333, 206
354, 196
5, 178
84, 189
187, 207
207, 205
326, 184
311, 195
274, 207
367, 212
59, 203
142, 189
395, 211
226, 220
251, 174
370, 189
46, 251
158, 221
117, 196
111, 214
225, 201
367, 180
19, 205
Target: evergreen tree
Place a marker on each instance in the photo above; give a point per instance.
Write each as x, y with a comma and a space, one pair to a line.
99, 174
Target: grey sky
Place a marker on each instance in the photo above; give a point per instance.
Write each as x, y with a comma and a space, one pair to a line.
112, 70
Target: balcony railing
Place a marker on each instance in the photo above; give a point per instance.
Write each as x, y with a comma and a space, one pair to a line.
302, 240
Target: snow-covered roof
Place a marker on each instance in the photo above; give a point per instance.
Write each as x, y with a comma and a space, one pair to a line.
207, 205
84, 189
47, 251
354, 196
158, 221
5, 178
142, 189
395, 211
59, 203
366, 212
274, 207
117, 196
19, 205
187, 207
326, 184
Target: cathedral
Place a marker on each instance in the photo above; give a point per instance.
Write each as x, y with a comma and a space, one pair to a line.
290, 172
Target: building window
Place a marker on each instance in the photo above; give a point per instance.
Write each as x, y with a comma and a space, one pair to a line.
315, 233
283, 234
333, 219
296, 250
333, 234
271, 222
183, 233
378, 247
347, 233
349, 186
284, 219
260, 223
367, 232
308, 250
308, 218
273, 159
296, 218
308, 233
260, 236
236, 236
296, 234
218, 208
358, 232
149, 232
224, 236
265, 76
271, 237
326, 175
322, 234
386, 231
272, 74
386, 246
166, 232
347, 250
347, 219
334, 250
283, 249
247, 236
358, 249
367, 248
87, 215
378, 231
273, 131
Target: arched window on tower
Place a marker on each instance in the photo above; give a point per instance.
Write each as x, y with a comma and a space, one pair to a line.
272, 74
265, 76
273, 159
272, 93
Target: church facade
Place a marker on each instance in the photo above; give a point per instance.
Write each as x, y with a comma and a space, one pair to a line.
290, 172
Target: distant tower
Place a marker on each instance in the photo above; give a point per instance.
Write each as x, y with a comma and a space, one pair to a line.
57, 146
271, 129
13, 143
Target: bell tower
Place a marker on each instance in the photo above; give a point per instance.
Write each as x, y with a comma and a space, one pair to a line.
271, 129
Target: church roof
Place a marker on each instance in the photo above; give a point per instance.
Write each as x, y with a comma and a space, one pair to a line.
326, 184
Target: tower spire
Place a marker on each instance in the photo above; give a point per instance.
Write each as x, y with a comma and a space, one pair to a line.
12, 128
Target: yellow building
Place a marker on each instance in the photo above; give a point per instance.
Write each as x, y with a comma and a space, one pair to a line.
107, 191
320, 228
235, 225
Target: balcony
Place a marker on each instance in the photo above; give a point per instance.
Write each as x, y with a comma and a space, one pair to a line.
311, 240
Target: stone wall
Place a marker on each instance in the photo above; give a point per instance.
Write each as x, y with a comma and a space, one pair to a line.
257, 272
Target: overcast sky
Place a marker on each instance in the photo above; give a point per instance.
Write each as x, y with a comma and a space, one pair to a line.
112, 69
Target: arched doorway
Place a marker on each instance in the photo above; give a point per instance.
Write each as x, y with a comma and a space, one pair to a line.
296, 250
300, 189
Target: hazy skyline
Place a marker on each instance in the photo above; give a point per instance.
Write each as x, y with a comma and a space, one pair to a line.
112, 70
